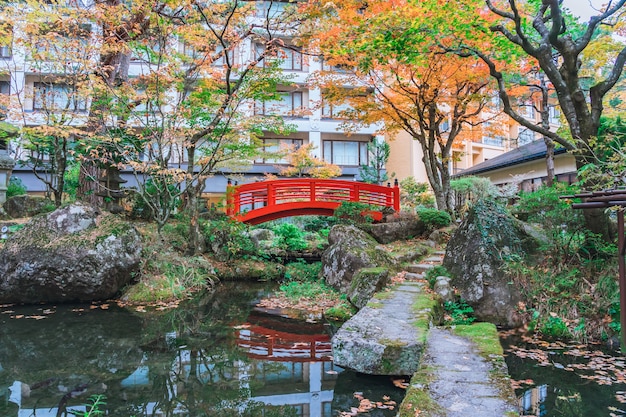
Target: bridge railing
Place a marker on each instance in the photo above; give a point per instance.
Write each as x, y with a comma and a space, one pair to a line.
255, 195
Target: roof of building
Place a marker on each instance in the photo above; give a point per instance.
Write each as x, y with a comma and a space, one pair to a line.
532, 151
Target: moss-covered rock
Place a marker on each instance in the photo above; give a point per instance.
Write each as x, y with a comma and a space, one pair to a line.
365, 283
351, 250
75, 253
475, 257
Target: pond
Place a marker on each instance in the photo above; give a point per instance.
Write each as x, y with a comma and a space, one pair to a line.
565, 380
215, 356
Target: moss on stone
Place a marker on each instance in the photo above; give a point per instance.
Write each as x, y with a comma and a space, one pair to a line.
341, 312
417, 401
487, 341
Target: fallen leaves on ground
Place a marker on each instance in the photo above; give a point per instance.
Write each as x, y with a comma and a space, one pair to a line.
312, 307
366, 405
593, 365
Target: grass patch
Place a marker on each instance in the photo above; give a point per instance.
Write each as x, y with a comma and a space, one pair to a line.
417, 401
341, 312
383, 295
296, 290
484, 336
374, 304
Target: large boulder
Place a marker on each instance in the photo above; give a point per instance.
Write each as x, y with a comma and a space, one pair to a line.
475, 258
26, 206
75, 253
350, 250
365, 283
401, 226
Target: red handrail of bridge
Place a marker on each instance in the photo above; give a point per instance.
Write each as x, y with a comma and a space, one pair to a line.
263, 201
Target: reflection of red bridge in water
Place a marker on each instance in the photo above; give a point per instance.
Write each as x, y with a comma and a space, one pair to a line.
260, 202
284, 340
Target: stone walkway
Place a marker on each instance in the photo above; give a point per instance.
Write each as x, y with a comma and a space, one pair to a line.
461, 382
459, 379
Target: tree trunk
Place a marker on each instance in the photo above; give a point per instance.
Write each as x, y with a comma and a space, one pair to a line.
88, 185
549, 161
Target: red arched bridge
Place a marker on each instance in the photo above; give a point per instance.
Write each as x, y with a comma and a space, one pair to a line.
259, 202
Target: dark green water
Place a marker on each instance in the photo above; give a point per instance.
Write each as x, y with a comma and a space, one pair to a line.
560, 380
215, 356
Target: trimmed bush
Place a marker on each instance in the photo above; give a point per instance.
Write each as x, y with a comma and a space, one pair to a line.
433, 218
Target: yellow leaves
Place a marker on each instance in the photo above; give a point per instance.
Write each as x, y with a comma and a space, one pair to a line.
301, 162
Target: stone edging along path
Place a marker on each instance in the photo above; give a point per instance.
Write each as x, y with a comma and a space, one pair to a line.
393, 335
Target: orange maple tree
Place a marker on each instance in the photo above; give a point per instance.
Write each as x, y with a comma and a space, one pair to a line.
404, 79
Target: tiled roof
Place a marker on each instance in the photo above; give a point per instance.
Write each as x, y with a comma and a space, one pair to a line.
532, 151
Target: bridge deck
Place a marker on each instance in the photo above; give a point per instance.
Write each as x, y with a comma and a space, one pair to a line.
268, 200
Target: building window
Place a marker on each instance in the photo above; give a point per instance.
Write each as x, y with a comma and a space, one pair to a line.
286, 104
5, 87
344, 152
220, 60
334, 111
527, 111
554, 115
57, 97
525, 136
69, 42
274, 145
6, 40
270, 9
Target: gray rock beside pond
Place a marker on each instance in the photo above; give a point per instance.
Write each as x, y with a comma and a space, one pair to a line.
365, 283
351, 250
475, 257
383, 337
75, 253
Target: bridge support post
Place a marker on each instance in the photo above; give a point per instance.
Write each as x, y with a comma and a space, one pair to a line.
396, 196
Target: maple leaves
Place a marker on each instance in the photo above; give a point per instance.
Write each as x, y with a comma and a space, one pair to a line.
366, 405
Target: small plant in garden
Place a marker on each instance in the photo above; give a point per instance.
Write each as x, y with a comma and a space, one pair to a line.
290, 237
415, 194
228, 239
302, 271
93, 408
434, 272
555, 328
297, 290
354, 212
16, 187
434, 218
458, 312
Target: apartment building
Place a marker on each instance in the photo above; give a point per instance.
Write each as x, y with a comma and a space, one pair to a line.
29, 85
497, 135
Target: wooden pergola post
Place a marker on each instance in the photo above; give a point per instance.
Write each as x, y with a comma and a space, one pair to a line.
606, 199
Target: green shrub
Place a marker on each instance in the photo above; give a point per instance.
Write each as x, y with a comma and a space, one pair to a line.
415, 194
295, 290
16, 187
290, 237
434, 272
350, 212
434, 218
555, 328
302, 271
458, 312
318, 223
228, 239
71, 179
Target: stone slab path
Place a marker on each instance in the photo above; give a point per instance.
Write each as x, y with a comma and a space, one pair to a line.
461, 382
383, 338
